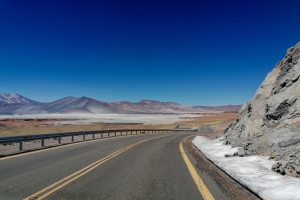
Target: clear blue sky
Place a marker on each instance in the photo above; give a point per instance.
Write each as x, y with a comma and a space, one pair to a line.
190, 52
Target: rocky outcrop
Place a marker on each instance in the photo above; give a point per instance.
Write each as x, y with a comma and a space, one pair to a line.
269, 123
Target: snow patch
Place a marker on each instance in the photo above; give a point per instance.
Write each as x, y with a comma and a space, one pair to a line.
254, 172
25, 100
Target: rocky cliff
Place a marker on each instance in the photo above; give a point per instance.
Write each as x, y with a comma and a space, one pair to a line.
270, 123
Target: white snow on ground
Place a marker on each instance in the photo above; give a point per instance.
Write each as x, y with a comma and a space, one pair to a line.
254, 172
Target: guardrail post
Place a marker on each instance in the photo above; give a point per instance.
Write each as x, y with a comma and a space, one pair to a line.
21, 146
59, 137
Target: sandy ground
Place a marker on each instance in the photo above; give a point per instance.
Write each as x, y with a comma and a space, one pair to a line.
23, 125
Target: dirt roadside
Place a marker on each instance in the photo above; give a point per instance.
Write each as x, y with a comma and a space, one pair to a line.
22, 126
229, 187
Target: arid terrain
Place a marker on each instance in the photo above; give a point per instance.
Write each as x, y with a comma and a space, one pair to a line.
13, 126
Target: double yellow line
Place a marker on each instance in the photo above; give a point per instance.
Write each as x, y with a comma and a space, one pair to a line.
63, 182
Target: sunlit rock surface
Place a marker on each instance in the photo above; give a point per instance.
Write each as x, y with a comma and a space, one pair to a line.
269, 123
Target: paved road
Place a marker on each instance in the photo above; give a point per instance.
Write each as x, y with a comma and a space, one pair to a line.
205, 129
152, 169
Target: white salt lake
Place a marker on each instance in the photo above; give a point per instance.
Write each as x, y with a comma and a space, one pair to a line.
113, 118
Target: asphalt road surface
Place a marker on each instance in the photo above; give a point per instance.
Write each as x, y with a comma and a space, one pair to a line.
147, 166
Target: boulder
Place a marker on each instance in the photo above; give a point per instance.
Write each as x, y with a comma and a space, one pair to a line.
269, 123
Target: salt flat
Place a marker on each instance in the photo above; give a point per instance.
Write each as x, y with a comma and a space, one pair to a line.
146, 119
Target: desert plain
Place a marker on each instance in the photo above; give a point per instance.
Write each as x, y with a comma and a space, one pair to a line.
13, 125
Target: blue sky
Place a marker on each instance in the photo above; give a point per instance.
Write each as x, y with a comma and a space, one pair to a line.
190, 52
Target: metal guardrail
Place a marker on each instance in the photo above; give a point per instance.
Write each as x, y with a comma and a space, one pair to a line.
110, 133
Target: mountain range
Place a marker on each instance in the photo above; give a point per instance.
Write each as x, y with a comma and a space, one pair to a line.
18, 104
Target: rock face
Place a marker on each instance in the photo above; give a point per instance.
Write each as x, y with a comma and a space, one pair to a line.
269, 123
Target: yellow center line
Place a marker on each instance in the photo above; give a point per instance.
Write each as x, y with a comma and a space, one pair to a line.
63, 182
56, 147
70, 176
197, 179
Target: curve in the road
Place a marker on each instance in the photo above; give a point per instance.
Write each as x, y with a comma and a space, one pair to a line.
59, 184
153, 170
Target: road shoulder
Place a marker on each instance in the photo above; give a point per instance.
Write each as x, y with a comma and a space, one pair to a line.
217, 181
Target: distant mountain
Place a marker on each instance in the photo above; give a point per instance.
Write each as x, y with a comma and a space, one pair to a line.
15, 98
151, 106
17, 104
77, 111
226, 108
